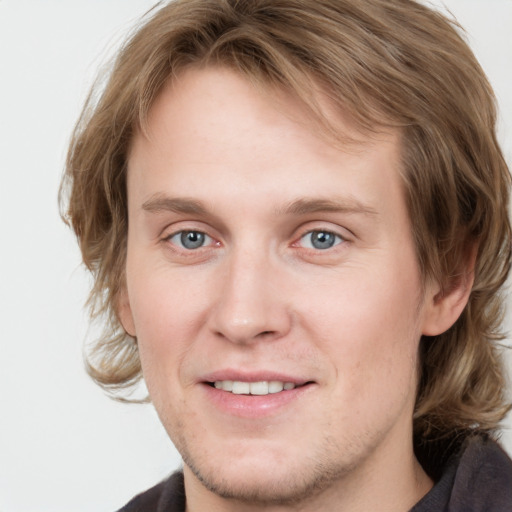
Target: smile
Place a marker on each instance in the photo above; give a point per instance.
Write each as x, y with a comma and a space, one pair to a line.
253, 388
258, 396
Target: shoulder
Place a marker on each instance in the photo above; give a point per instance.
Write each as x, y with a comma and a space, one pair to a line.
477, 479
168, 496
484, 477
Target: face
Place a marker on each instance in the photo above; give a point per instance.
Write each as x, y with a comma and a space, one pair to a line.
273, 288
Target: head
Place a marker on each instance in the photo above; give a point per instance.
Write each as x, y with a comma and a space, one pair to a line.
396, 75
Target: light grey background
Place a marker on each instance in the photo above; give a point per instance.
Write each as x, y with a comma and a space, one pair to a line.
63, 445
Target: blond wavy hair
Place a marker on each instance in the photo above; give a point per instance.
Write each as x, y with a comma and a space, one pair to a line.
385, 63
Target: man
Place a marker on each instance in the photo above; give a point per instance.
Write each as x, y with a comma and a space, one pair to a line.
296, 216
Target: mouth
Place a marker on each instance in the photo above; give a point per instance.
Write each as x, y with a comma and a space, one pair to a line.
258, 396
258, 388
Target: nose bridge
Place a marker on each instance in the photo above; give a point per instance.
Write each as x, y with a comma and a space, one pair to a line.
250, 304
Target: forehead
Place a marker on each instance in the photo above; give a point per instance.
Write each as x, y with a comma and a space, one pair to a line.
213, 135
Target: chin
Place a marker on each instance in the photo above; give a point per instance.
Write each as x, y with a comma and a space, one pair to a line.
264, 489
266, 478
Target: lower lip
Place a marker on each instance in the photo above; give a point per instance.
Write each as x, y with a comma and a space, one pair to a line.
254, 406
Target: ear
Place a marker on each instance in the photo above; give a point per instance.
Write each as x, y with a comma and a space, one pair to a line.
124, 312
444, 304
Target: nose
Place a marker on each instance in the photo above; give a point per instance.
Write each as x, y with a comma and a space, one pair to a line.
251, 303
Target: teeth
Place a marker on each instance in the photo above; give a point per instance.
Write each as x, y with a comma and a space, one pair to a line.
275, 386
241, 388
259, 388
227, 385
253, 388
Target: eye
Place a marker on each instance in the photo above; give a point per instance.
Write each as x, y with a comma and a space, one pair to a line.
190, 240
320, 240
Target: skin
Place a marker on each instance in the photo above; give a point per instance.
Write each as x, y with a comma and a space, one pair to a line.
258, 298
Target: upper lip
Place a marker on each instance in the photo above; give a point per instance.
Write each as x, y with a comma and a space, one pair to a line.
253, 376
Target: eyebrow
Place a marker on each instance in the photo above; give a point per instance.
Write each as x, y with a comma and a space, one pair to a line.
303, 206
160, 203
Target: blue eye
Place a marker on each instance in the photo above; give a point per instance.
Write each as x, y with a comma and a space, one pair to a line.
320, 240
190, 239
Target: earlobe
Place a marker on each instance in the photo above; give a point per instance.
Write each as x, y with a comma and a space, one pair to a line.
124, 313
445, 305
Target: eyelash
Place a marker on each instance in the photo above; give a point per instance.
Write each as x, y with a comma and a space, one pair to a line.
337, 239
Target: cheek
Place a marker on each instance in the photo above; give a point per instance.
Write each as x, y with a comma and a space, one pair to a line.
170, 309
374, 334
163, 316
165, 305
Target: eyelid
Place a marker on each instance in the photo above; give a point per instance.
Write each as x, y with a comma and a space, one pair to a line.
170, 229
344, 233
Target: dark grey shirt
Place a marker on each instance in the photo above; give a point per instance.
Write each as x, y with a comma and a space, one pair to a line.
477, 479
